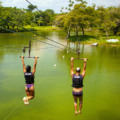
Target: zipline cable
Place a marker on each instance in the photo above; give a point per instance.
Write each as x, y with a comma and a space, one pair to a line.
29, 37
46, 37
10, 47
37, 34
41, 35
33, 5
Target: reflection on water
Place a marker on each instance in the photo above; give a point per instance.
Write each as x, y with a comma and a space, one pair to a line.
53, 93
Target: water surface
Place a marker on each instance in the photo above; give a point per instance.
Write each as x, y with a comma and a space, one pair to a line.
53, 92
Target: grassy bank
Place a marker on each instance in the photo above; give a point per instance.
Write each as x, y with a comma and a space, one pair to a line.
42, 28
90, 38
35, 28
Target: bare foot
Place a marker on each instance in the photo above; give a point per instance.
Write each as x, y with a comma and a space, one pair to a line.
26, 102
79, 112
76, 113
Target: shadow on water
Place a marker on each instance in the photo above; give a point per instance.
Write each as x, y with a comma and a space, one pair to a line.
81, 37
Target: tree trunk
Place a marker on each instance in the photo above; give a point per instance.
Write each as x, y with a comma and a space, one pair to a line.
76, 32
68, 33
8, 27
83, 31
107, 34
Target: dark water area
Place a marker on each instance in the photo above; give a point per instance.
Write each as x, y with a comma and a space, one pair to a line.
53, 92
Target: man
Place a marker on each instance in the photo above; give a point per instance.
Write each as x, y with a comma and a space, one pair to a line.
77, 84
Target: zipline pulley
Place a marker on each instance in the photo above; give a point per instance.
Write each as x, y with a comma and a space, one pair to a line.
78, 53
29, 51
29, 48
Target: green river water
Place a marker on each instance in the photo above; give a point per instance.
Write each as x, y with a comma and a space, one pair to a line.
53, 92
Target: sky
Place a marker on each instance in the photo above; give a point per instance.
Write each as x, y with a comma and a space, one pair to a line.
55, 4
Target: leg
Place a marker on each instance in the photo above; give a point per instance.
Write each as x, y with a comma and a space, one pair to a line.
27, 91
75, 104
80, 103
31, 92
25, 98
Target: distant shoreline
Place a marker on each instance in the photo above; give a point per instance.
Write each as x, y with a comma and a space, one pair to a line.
36, 28
90, 38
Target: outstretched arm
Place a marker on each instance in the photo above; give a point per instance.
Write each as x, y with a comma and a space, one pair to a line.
34, 68
24, 69
84, 69
72, 68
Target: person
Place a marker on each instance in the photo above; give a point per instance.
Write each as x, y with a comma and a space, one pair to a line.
29, 80
77, 84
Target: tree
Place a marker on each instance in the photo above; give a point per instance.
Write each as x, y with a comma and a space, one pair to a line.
76, 18
67, 23
29, 18
0, 4
115, 14
51, 15
18, 16
6, 14
46, 18
31, 7
50, 12
106, 22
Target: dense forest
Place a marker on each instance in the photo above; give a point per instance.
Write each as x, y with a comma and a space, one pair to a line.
24, 17
77, 16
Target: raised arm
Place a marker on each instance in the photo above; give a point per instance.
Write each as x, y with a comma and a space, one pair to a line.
72, 68
84, 68
24, 69
34, 68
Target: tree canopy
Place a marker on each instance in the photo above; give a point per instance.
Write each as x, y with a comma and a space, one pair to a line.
77, 16
81, 17
25, 17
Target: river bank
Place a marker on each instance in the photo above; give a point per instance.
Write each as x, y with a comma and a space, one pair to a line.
28, 28
42, 28
90, 38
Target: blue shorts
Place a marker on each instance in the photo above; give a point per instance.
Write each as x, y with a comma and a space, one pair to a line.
77, 93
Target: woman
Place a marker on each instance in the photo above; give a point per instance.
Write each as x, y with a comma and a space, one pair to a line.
77, 85
29, 80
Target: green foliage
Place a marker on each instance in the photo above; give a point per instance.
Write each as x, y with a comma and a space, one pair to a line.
0, 4
50, 12
81, 17
24, 17
106, 20
31, 7
77, 17
70, 5
33, 24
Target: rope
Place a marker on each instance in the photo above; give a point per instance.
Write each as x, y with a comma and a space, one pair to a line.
29, 37
35, 33
11, 47
33, 5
